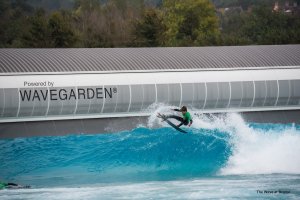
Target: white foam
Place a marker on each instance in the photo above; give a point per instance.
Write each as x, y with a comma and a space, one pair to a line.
256, 151
212, 188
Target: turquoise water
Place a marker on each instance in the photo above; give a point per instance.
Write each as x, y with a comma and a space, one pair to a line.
219, 158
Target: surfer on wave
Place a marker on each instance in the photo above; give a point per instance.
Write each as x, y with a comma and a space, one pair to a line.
186, 118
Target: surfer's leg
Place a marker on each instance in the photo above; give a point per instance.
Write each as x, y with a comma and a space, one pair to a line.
182, 121
175, 117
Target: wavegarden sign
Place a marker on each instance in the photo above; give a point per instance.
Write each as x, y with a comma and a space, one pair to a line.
65, 94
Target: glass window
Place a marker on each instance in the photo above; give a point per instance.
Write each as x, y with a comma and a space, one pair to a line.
96, 103
272, 92
260, 93
149, 95
236, 94
41, 104
295, 93
224, 95
55, 104
162, 93
68, 96
284, 92
110, 98
85, 94
199, 95
123, 98
2, 102
28, 97
11, 102
187, 94
212, 95
174, 94
248, 93
136, 98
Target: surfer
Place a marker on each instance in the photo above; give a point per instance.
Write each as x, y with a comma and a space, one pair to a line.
4, 185
186, 118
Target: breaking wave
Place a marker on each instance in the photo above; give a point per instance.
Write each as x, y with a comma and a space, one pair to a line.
213, 146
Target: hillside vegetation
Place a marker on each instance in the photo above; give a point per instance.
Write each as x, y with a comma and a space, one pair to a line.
144, 23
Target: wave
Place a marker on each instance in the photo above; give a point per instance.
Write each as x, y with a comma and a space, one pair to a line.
253, 148
214, 145
137, 155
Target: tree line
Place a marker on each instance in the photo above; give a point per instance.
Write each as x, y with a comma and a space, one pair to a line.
139, 23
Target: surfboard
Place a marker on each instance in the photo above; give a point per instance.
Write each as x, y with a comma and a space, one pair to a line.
171, 124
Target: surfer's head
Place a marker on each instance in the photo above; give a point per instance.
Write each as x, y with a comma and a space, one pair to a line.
183, 109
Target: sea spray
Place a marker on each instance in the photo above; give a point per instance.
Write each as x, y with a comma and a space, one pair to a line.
265, 152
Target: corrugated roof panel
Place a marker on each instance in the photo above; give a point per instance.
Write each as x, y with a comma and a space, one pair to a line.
126, 59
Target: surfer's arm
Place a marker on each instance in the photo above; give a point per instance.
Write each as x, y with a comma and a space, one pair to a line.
190, 122
176, 110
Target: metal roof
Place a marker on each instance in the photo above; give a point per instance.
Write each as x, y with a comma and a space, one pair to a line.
127, 59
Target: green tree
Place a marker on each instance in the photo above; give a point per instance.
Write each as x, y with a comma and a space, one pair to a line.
231, 23
263, 26
61, 32
149, 29
13, 16
104, 25
38, 34
190, 23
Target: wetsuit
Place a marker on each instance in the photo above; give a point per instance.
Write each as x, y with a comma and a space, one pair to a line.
185, 119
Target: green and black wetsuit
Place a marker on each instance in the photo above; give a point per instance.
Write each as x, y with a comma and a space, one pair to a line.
185, 119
